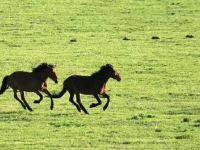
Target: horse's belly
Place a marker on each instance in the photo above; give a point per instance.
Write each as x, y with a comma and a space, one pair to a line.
91, 91
24, 85
27, 88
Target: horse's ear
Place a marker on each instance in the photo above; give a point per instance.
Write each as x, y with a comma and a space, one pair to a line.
44, 64
51, 66
103, 67
109, 65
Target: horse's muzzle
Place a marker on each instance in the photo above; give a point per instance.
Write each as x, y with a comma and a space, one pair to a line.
119, 79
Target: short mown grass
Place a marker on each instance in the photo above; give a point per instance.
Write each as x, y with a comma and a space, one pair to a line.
153, 43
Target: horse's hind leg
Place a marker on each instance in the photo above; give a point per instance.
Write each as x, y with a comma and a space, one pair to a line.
80, 104
71, 99
108, 101
96, 104
41, 97
24, 100
17, 98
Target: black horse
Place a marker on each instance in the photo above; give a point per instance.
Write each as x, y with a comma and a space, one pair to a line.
34, 81
89, 85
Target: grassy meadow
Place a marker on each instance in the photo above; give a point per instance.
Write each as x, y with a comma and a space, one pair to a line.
155, 106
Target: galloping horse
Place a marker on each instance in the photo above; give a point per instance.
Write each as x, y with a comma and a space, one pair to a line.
89, 85
34, 81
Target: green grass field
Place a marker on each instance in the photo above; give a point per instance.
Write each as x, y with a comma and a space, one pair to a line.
155, 106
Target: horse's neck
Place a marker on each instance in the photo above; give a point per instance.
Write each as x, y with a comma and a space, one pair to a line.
102, 80
41, 76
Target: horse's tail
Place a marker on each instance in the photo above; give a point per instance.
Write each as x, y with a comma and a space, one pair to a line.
59, 95
4, 85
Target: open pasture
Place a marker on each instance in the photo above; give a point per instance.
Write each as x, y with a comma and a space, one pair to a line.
154, 44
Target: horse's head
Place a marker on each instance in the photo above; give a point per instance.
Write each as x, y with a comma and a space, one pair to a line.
51, 72
46, 70
111, 72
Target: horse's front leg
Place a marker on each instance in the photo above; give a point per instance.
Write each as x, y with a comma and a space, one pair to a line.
103, 93
41, 97
24, 100
108, 101
49, 95
98, 101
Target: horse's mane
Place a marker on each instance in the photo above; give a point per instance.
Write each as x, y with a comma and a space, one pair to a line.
42, 67
104, 69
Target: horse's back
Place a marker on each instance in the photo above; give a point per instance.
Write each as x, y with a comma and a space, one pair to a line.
77, 79
81, 84
21, 80
20, 75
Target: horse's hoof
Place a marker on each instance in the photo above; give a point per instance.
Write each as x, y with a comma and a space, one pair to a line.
51, 108
86, 112
92, 105
30, 109
36, 102
104, 108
